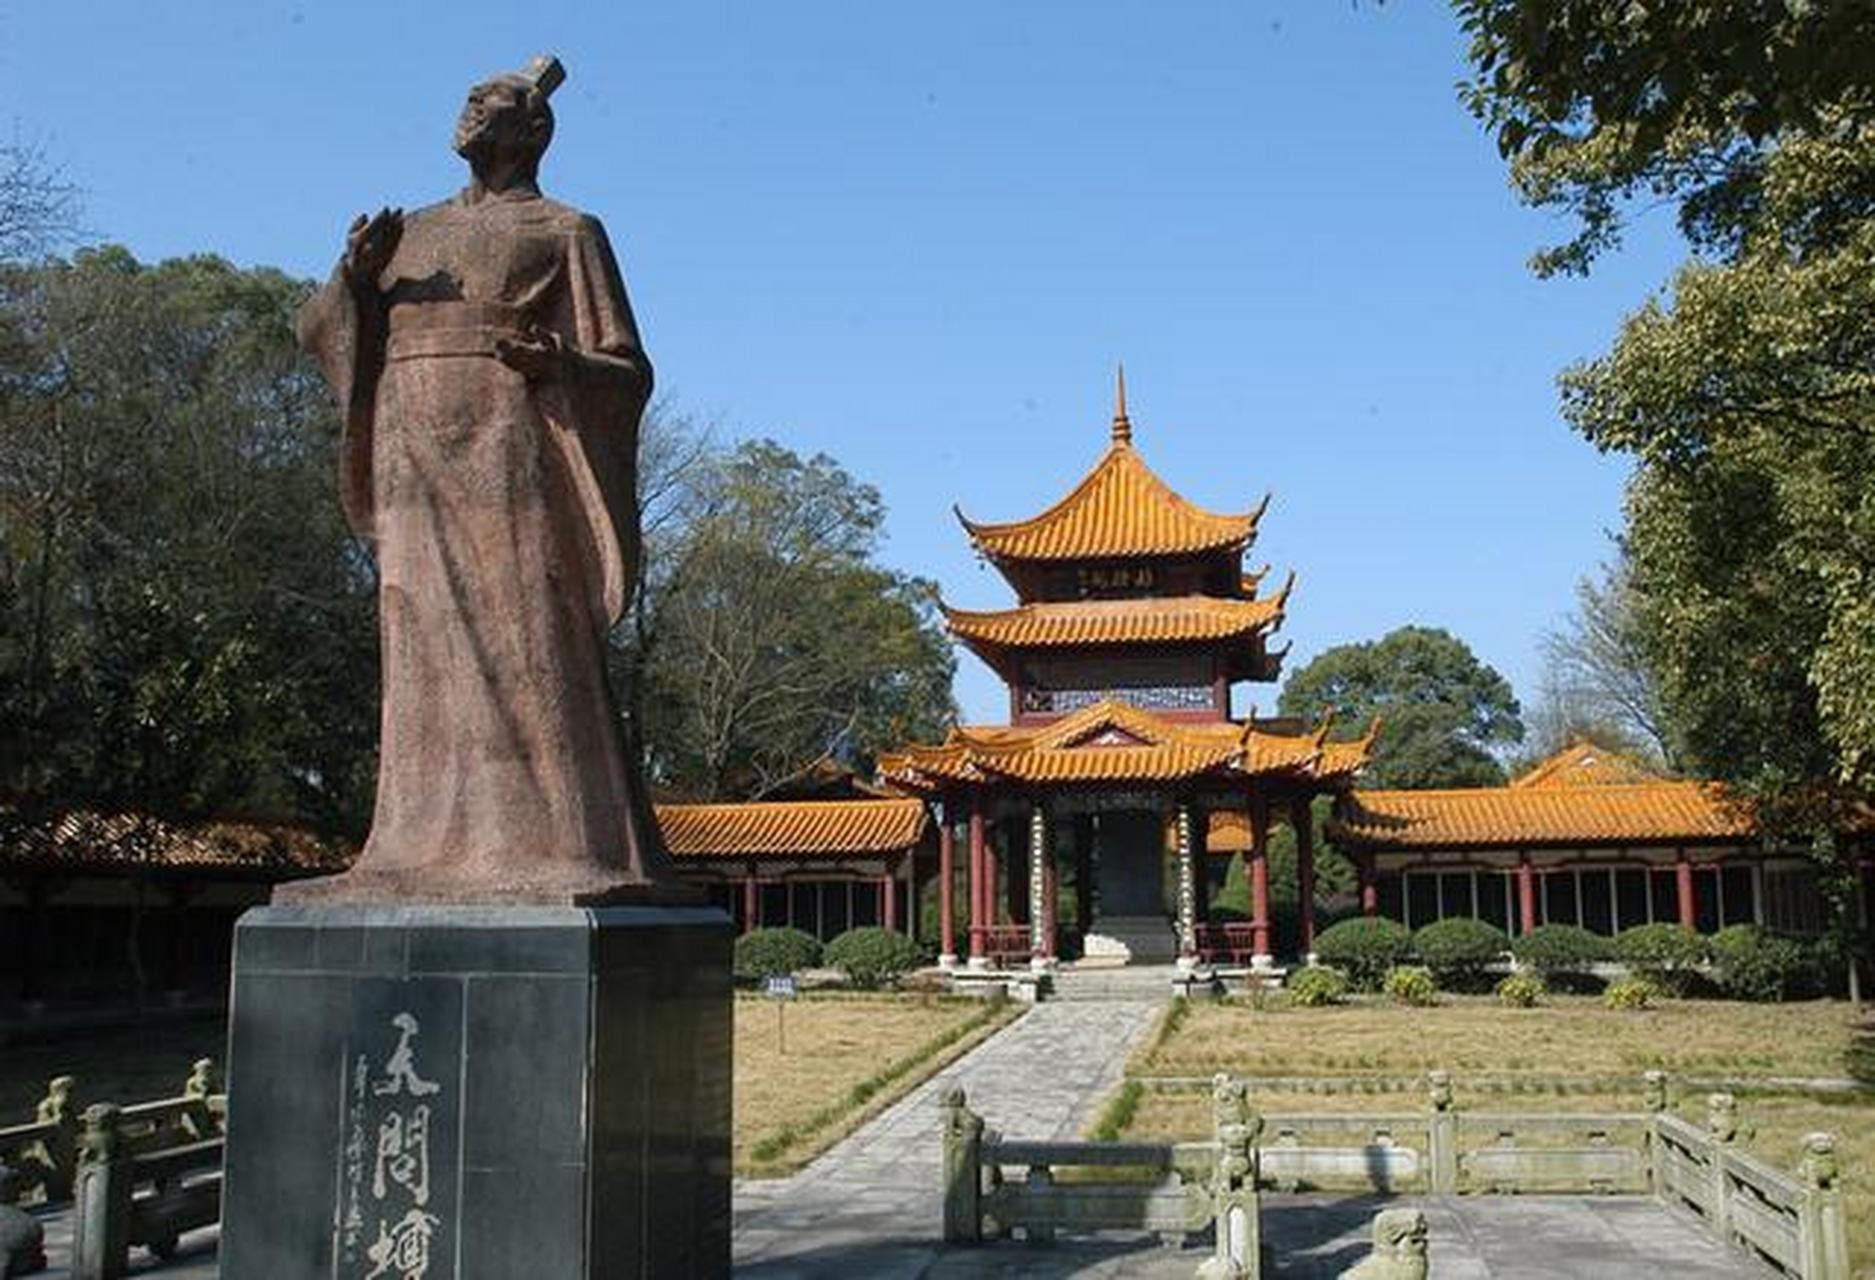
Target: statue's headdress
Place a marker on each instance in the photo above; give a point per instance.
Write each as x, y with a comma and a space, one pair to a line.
543, 74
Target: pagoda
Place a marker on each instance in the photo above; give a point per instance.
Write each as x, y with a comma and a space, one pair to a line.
1134, 622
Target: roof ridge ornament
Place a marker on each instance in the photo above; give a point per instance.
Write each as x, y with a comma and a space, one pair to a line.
1122, 425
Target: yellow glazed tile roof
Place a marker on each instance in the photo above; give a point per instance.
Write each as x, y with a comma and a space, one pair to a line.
1106, 743
1160, 620
112, 841
1584, 764
1120, 509
1511, 817
802, 828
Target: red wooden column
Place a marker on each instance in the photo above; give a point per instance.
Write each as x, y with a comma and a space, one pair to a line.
1259, 875
978, 867
1683, 870
1302, 821
1526, 894
888, 900
751, 903
947, 876
1370, 887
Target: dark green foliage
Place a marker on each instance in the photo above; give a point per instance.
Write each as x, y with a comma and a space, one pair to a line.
1443, 713
1410, 984
1554, 949
1232, 902
1458, 951
766, 636
1750, 963
1318, 985
1365, 949
871, 956
187, 627
1741, 391
767, 953
1668, 955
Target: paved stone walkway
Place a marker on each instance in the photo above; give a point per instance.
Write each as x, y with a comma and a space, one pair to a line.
872, 1205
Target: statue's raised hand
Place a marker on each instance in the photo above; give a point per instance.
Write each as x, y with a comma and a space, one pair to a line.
369, 244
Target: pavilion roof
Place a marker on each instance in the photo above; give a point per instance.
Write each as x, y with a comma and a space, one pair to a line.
1659, 812
792, 828
1152, 620
86, 840
1120, 510
1583, 764
1113, 742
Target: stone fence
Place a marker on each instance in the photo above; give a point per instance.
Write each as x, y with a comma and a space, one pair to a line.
1796, 1224
137, 1175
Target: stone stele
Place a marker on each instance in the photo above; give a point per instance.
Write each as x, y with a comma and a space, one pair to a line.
500, 1045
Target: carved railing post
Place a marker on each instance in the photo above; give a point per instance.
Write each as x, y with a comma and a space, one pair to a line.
1235, 1128
1722, 1128
1654, 1098
1822, 1230
1442, 1135
963, 1181
101, 1226
198, 1089
60, 1147
1399, 1248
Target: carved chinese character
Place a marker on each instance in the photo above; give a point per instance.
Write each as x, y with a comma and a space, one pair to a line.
404, 1155
401, 1070
403, 1249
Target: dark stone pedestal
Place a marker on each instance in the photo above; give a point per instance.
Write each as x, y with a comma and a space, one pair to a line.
492, 1091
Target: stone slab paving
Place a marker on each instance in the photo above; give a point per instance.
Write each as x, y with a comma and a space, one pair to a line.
871, 1205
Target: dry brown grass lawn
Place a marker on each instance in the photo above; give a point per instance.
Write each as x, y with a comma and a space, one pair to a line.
835, 1044
1566, 1036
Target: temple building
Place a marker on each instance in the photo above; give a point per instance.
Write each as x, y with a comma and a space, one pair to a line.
1589, 838
1134, 621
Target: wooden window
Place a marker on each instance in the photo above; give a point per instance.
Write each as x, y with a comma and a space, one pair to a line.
1494, 898
1559, 898
1595, 887
1740, 897
1631, 898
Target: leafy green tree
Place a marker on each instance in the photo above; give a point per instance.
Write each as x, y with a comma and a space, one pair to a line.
1443, 713
186, 626
1746, 394
769, 637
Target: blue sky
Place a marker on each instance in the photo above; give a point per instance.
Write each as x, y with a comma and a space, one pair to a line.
918, 238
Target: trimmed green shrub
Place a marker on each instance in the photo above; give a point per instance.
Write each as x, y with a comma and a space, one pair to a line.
1459, 951
767, 953
1750, 963
1553, 949
1365, 949
1666, 955
1630, 993
872, 956
1317, 985
1411, 984
1521, 990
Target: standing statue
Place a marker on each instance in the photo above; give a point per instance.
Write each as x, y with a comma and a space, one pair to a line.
491, 376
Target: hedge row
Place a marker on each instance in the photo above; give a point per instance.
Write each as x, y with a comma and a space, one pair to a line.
1741, 961
868, 956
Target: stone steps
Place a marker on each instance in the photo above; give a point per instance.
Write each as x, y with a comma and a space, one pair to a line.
1132, 983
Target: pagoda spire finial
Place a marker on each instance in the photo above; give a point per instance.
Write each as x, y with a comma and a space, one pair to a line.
1122, 427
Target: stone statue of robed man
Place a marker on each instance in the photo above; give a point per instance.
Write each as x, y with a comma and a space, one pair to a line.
484, 353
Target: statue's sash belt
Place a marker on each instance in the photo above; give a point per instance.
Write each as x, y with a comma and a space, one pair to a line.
430, 329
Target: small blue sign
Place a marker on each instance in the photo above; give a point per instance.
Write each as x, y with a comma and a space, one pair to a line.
780, 986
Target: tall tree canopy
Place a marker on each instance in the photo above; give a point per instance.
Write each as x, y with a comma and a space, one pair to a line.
185, 624
1599, 683
1444, 714
1746, 394
766, 635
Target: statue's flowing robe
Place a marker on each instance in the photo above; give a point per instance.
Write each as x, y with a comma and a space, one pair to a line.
504, 522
